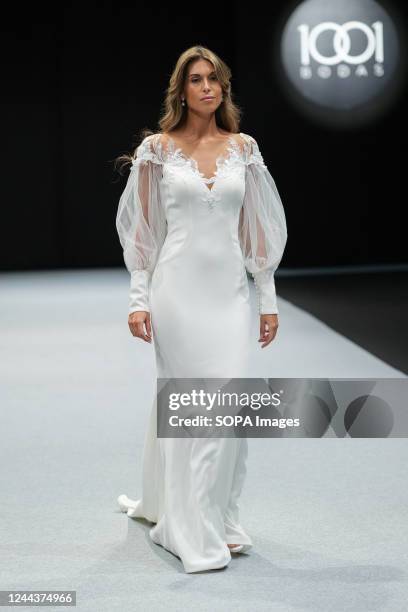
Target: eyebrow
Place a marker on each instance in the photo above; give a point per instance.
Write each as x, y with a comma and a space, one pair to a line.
197, 74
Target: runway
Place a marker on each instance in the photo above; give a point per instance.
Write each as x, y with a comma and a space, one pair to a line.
328, 516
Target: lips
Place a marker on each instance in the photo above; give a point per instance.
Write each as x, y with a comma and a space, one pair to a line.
208, 98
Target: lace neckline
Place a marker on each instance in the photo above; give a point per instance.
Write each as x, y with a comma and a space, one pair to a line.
223, 158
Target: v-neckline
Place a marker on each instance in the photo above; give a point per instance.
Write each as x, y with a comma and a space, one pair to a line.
222, 158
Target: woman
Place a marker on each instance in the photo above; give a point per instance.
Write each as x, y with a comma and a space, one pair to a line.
199, 209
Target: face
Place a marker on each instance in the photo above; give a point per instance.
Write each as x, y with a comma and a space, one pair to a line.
201, 83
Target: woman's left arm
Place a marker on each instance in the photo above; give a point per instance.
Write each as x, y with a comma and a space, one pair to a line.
263, 236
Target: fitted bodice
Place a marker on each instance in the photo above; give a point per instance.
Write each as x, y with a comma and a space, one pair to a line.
195, 213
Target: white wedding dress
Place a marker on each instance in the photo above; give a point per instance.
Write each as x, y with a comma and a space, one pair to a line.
188, 241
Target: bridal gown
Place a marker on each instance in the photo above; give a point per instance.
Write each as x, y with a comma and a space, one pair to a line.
188, 241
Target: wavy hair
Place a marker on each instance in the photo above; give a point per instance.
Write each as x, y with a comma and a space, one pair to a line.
174, 114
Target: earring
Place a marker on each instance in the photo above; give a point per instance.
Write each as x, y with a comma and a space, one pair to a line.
183, 103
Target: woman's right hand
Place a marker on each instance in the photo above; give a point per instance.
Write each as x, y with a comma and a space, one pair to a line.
137, 320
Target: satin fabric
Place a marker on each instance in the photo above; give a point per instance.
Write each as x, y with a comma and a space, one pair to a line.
198, 297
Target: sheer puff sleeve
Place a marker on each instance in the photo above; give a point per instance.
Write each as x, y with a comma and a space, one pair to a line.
141, 222
262, 227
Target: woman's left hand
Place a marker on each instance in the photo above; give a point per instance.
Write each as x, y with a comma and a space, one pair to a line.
268, 327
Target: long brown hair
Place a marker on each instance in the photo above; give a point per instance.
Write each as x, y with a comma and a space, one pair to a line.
174, 114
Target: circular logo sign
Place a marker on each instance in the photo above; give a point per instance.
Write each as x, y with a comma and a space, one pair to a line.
341, 54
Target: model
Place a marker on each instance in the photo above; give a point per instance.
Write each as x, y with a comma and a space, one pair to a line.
199, 209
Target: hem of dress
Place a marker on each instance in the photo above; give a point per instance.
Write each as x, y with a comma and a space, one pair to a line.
238, 541
208, 569
134, 509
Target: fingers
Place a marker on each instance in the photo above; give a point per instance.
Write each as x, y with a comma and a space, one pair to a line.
137, 321
142, 334
268, 329
148, 327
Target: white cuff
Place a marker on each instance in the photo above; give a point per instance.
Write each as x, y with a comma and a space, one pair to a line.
266, 293
139, 291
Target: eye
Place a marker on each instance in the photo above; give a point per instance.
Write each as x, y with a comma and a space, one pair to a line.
195, 79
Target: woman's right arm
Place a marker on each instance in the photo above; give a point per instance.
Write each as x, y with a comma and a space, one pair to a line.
142, 228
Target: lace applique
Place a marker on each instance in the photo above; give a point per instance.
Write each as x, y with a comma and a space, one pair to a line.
228, 164
149, 150
223, 162
253, 154
235, 157
231, 160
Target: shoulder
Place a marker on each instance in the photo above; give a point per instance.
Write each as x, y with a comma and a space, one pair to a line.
145, 145
163, 139
253, 153
150, 148
246, 142
158, 143
149, 141
247, 138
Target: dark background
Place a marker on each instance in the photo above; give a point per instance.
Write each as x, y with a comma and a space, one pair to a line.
80, 80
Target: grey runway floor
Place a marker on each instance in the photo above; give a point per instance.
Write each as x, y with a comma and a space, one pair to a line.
328, 517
